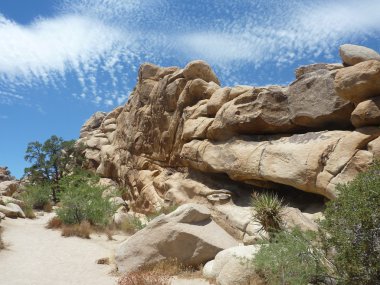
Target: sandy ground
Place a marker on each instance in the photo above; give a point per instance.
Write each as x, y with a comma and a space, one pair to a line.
38, 256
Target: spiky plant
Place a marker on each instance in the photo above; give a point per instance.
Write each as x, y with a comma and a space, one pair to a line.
268, 211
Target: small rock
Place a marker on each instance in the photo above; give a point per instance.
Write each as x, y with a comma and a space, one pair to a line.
354, 54
200, 69
359, 82
367, 113
219, 197
17, 209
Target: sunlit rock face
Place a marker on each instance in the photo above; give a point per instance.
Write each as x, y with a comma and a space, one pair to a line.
182, 137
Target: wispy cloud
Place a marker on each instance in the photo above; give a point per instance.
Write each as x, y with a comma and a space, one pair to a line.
296, 31
101, 43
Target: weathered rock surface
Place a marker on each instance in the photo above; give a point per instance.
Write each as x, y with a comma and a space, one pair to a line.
183, 138
359, 82
7, 188
354, 54
367, 113
12, 211
5, 174
187, 234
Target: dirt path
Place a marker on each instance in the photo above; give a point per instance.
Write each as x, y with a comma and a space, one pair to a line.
38, 256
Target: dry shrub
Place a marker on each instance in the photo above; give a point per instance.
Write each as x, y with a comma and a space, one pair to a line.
54, 223
29, 213
144, 278
131, 225
48, 207
170, 266
83, 230
2, 245
157, 274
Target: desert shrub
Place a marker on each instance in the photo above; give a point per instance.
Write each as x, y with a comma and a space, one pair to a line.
163, 210
83, 230
54, 223
352, 222
157, 273
144, 278
36, 196
2, 245
291, 258
132, 225
268, 211
81, 200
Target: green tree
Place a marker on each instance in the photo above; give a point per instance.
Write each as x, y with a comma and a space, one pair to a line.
353, 226
291, 258
51, 160
81, 200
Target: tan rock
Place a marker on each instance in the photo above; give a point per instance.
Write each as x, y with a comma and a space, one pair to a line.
302, 70
374, 148
367, 113
232, 266
313, 103
200, 69
7, 188
359, 82
264, 112
9, 212
92, 123
187, 234
217, 100
354, 54
239, 90
196, 128
15, 209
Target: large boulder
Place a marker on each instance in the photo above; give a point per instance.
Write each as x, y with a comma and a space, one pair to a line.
305, 161
12, 211
187, 234
354, 54
200, 69
367, 113
5, 174
313, 103
7, 188
233, 266
16, 208
359, 82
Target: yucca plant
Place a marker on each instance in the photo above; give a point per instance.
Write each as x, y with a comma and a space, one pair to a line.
268, 211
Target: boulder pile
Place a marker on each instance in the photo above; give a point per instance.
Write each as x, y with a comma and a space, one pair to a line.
9, 206
182, 137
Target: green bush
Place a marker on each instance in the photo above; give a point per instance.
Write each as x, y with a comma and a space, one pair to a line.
290, 258
36, 196
268, 210
353, 226
81, 200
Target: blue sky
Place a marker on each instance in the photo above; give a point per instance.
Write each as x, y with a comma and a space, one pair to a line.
63, 60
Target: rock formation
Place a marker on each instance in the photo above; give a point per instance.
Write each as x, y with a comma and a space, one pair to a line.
9, 206
188, 235
182, 137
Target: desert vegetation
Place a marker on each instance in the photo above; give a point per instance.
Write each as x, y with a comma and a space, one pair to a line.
344, 251
2, 245
159, 273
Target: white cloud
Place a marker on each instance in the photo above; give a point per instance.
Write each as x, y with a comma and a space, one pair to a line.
53, 45
296, 31
102, 42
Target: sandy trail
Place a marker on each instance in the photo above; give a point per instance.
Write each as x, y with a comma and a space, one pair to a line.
38, 256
